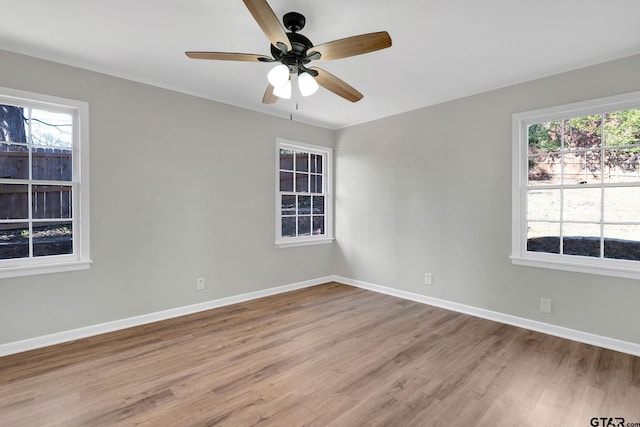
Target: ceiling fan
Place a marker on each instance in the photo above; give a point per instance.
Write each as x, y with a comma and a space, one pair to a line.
294, 52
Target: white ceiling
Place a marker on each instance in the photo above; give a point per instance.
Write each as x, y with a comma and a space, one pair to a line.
442, 49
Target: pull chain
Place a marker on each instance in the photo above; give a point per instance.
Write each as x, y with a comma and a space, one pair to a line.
294, 95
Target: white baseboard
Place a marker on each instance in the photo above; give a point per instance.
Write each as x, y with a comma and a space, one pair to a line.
558, 331
102, 328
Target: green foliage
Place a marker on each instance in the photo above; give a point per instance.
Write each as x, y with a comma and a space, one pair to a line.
622, 128
584, 135
544, 137
583, 132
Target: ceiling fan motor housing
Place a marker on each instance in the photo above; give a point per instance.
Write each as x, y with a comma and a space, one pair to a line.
296, 58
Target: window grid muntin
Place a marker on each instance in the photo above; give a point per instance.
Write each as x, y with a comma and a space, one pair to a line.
602, 185
31, 183
307, 171
324, 192
311, 213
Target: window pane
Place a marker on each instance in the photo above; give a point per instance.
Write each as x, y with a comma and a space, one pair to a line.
622, 165
316, 184
14, 161
544, 170
302, 192
51, 129
302, 182
304, 225
286, 181
582, 168
582, 193
302, 162
51, 164
52, 239
39, 142
543, 237
583, 132
543, 204
318, 204
582, 204
289, 227
629, 232
545, 137
286, 159
316, 163
622, 242
12, 124
14, 201
51, 201
622, 128
622, 204
14, 241
318, 225
288, 205
581, 239
304, 205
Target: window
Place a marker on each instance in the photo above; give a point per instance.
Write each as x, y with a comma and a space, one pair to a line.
576, 189
303, 196
44, 204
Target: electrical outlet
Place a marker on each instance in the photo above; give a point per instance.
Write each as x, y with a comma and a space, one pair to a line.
200, 283
545, 305
428, 279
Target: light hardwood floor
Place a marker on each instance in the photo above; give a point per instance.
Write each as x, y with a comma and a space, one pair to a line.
327, 355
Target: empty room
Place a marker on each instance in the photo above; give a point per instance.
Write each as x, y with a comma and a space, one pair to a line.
287, 213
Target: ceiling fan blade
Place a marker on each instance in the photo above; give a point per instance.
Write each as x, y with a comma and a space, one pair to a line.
337, 86
225, 56
352, 46
269, 97
268, 22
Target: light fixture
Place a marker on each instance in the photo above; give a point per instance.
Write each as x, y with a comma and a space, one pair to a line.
278, 76
283, 91
307, 84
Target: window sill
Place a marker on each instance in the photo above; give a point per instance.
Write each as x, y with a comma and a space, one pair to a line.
33, 270
285, 244
612, 268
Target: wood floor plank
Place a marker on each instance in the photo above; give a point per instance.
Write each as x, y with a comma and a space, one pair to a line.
326, 355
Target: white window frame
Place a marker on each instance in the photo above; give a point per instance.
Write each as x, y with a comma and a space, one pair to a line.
80, 258
284, 242
519, 254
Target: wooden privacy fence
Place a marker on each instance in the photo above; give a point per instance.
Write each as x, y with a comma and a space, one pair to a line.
48, 201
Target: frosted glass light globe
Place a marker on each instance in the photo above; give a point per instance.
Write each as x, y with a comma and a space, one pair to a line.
307, 84
279, 75
283, 91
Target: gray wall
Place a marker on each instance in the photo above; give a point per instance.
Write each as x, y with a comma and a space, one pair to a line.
430, 191
181, 188
410, 198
